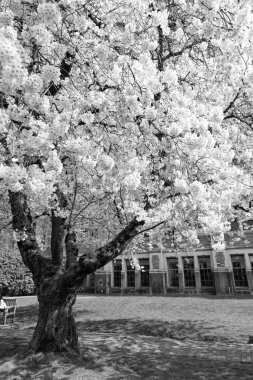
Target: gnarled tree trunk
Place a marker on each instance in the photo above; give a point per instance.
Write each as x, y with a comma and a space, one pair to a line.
56, 328
57, 281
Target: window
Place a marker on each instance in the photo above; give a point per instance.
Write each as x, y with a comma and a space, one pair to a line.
144, 272
239, 271
189, 275
117, 266
206, 275
130, 275
173, 272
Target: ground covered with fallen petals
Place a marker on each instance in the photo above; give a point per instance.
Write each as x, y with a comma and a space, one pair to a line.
139, 338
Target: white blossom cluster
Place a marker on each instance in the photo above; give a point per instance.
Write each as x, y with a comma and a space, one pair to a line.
140, 128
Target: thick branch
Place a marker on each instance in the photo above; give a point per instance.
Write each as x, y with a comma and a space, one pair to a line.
71, 249
24, 228
160, 50
58, 230
102, 256
57, 238
151, 228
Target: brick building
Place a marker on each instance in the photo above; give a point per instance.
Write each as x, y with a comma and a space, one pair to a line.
203, 271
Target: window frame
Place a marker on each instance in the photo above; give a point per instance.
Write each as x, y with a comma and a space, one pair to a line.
206, 274
117, 273
130, 275
189, 272
239, 272
173, 274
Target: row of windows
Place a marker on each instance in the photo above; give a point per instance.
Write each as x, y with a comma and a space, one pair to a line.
130, 273
189, 274
206, 273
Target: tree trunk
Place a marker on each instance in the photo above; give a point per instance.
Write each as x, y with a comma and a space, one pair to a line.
57, 283
56, 328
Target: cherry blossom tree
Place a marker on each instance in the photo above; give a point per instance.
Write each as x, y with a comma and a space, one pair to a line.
118, 117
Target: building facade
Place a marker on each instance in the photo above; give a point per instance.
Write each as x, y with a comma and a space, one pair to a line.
203, 271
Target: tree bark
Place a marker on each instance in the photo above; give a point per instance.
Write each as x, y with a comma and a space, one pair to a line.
57, 239
57, 285
71, 249
23, 225
58, 230
56, 328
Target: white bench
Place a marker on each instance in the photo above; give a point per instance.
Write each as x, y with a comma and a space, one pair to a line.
9, 310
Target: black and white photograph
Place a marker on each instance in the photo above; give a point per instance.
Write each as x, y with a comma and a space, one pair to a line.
126, 189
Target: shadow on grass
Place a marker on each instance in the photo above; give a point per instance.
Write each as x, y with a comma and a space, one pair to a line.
16, 364
123, 351
13, 340
126, 358
150, 367
180, 330
131, 349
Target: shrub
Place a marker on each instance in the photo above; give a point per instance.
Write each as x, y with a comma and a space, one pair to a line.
15, 279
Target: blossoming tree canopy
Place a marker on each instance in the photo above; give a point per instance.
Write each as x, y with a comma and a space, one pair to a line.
116, 117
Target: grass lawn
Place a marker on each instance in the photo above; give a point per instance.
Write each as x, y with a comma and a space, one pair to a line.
225, 320
129, 337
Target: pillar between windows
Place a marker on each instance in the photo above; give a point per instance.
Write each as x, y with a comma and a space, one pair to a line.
247, 261
109, 269
123, 282
181, 274
137, 279
250, 280
223, 273
248, 272
108, 277
228, 261
197, 274
196, 263
220, 260
165, 285
156, 282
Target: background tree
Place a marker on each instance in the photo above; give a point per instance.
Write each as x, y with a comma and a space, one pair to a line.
113, 122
